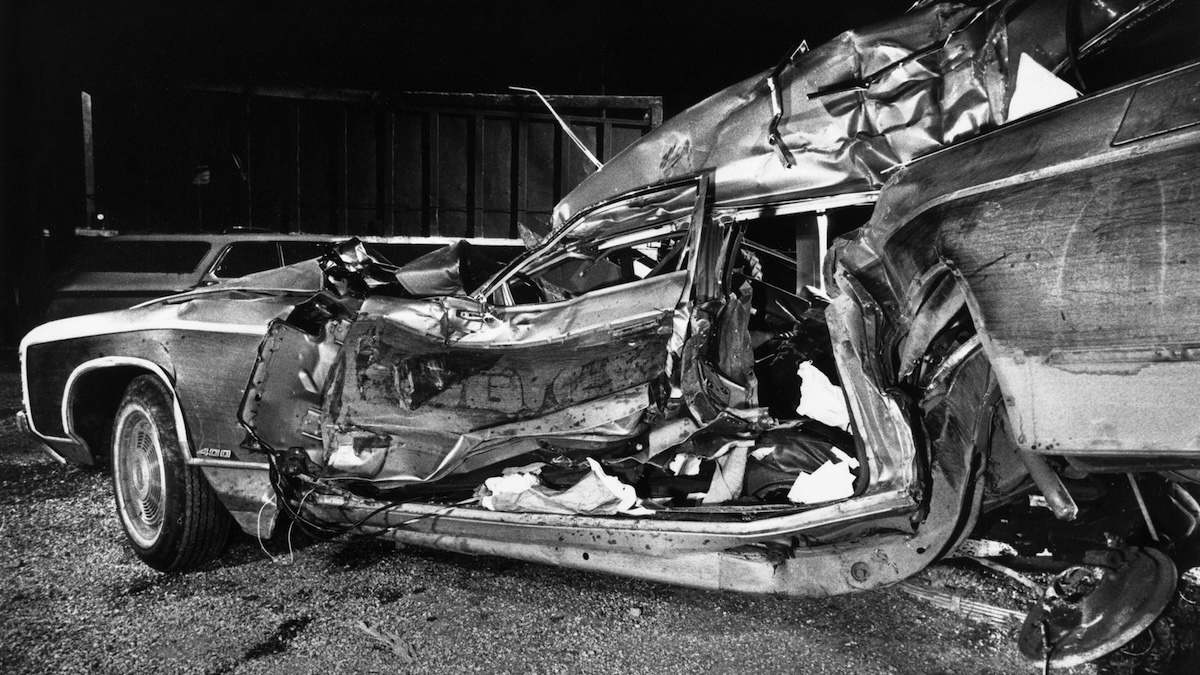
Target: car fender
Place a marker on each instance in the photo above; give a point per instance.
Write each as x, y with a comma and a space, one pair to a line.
243, 487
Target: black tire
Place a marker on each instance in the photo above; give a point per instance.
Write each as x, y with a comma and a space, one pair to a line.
171, 517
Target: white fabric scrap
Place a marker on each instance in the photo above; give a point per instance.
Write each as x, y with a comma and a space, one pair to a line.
506, 486
820, 399
685, 464
596, 494
364, 461
730, 473
625, 494
1037, 89
833, 480
763, 452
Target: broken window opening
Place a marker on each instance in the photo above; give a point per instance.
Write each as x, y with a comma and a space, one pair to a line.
664, 205
245, 258
585, 266
773, 309
781, 259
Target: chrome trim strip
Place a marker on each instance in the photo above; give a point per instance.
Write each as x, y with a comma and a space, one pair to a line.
226, 464
93, 325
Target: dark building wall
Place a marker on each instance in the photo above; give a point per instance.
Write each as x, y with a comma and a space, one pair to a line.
346, 162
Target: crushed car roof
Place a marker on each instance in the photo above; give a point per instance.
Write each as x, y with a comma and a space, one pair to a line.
838, 118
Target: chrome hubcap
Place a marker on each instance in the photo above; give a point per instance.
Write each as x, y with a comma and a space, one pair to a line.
140, 476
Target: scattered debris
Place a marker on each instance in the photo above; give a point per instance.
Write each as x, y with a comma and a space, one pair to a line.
820, 399
1091, 610
397, 645
728, 475
957, 602
520, 490
1008, 572
982, 548
833, 481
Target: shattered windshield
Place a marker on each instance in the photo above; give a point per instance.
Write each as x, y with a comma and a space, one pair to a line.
640, 236
583, 265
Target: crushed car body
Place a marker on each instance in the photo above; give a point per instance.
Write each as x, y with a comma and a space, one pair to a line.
684, 379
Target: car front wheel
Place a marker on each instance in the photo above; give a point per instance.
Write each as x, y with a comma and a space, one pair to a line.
170, 515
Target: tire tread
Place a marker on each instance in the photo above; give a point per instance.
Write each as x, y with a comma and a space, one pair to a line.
201, 525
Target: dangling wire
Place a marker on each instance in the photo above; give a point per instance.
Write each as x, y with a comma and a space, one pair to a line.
258, 535
281, 499
299, 508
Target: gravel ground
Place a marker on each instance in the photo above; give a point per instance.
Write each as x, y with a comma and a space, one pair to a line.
74, 599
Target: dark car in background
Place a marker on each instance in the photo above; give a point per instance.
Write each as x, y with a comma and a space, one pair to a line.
115, 272
799, 339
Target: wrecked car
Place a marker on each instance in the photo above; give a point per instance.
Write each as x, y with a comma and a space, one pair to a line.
795, 340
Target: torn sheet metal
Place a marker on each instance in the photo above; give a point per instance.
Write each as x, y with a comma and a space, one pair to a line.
896, 90
282, 402
455, 269
394, 414
854, 108
734, 349
428, 386
886, 437
425, 410
725, 383
352, 269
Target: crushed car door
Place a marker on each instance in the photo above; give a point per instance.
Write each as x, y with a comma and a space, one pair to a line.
563, 349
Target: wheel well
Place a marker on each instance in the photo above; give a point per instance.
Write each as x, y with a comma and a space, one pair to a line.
1004, 475
951, 336
94, 401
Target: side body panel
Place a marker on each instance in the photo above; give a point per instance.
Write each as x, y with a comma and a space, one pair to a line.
76, 369
575, 372
1076, 237
208, 370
